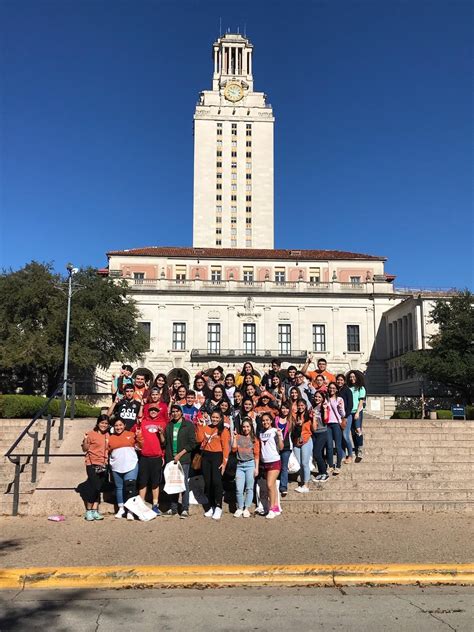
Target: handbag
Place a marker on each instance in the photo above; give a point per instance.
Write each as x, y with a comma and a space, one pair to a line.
196, 463
342, 420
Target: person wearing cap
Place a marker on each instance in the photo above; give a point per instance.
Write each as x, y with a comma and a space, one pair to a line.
151, 458
179, 440
126, 409
155, 399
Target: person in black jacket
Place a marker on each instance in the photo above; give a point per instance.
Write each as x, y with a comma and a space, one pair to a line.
345, 392
179, 440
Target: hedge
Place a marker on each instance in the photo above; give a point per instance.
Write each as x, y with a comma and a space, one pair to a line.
26, 406
441, 414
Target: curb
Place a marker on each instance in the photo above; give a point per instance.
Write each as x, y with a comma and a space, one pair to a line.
193, 576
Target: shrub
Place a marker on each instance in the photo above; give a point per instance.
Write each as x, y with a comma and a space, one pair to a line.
406, 414
26, 406
441, 414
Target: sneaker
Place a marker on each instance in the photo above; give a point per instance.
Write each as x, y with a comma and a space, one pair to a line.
156, 509
336, 471
184, 514
120, 513
130, 516
284, 493
303, 489
271, 514
276, 510
97, 515
246, 513
239, 513
323, 478
359, 456
348, 459
217, 513
315, 479
259, 511
170, 512
89, 515
209, 513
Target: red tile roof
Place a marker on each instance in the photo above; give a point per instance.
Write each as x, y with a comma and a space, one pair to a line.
243, 253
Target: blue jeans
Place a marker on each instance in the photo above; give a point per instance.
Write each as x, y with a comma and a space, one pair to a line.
285, 457
357, 425
335, 436
184, 495
303, 456
347, 435
119, 481
244, 481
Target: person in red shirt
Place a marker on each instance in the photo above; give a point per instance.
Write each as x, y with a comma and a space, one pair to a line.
151, 457
155, 399
321, 370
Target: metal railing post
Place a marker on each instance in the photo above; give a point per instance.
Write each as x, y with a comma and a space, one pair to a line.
62, 413
47, 442
34, 462
73, 401
16, 487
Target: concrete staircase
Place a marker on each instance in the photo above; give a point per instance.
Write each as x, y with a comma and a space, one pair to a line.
408, 465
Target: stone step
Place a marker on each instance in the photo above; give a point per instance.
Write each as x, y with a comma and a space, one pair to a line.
347, 484
371, 469
445, 442
335, 506
406, 459
325, 493
400, 451
421, 475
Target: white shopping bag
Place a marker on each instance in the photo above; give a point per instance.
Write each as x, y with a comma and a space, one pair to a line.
139, 509
196, 491
174, 478
293, 465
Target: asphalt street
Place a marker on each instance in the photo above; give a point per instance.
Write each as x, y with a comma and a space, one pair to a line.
429, 609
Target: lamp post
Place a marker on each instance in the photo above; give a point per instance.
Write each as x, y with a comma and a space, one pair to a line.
71, 271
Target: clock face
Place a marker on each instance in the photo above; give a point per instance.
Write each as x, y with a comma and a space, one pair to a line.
233, 92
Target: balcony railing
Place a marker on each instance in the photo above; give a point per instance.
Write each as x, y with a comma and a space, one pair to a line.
260, 286
201, 355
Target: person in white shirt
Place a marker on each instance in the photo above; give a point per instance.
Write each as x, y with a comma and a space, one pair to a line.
271, 442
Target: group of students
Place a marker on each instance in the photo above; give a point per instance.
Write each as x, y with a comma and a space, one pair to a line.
242, 429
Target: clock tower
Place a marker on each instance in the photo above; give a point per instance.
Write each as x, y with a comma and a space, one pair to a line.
233, 154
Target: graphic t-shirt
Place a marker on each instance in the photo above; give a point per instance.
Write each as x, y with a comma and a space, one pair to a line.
176, 427
151, 438
268, 446
127, 410
190, 412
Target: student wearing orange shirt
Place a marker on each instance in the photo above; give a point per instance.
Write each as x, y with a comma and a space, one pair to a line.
247, 450
215, 446
301, 436
321, 370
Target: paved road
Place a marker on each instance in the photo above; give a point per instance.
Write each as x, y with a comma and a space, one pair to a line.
430, 609
290, 539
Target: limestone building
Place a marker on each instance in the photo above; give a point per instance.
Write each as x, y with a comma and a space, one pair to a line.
232, 297
233, 154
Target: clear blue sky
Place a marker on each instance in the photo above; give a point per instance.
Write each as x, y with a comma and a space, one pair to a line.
373, 134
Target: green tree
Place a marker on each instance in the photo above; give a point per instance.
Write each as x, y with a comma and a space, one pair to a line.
33, 303
450, 361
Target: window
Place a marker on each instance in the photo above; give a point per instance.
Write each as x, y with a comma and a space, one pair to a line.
219, 197
233, 219
233, 187
219, 175
248, 154
248, 143
233, 198
218, 220
248, 198
216, 274
234, 129
355, 280
233, 154
314, 275
218, 242
248, 243
180, 274
234, 143
179, 337
218, 209
248, 165
233, 209
248, 209
234, 176
248, 176
146, 328
279, 275
233, 165
138, 277
219, 132
248, 232
219, 153
214, 338
319, 337
233, 243
219, 165
218, 231
219, 186
250, 339
248, 129
248, 220
248, 187
353, 338
248, 276
284, 339
219, 144
233, 231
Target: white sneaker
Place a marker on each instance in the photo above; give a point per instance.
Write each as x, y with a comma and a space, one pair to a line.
217, 513
246, 513
120, 513
239, 513
304, 489
130, 516
209, 512
271, 514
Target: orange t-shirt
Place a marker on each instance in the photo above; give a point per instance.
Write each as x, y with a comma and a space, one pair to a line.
211, 441
328, 377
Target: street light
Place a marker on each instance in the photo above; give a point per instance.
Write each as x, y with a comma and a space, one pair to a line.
71, 271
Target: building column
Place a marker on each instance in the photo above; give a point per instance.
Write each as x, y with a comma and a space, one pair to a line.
232, 339
267, 332
215, 61
196, 328
301, 334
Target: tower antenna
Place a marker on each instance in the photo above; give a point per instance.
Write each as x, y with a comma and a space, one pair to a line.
220, 27
245, 29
